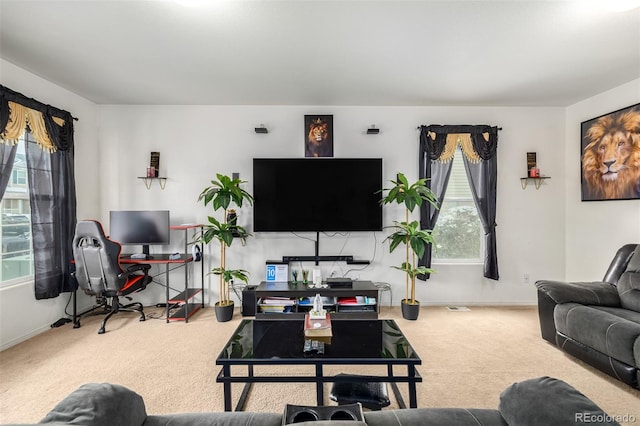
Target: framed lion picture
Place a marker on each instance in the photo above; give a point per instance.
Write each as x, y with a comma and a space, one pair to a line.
318, 130
610, 156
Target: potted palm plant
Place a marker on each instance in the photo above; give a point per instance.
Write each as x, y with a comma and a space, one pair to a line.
410, 235
221, 194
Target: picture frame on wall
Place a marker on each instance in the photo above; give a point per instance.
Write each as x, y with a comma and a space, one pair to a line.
610, 156
318, 136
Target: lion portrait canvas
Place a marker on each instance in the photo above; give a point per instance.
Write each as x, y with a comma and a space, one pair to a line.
318, 135
610, 150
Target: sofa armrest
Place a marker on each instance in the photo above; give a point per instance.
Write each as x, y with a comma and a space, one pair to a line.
99, 404
548, 401
586, 293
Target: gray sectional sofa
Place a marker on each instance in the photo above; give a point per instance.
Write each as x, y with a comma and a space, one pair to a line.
540, 401
598, 322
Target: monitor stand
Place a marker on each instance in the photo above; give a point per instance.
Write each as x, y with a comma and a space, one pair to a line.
144, 255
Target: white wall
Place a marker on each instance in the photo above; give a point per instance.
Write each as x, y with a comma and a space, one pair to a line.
538, 233
21, 316
596, 229
196, 142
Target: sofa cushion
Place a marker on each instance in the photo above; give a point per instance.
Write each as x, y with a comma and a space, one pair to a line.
629, 283
550, 402
434, 416
611, 331
99, 404
235, 418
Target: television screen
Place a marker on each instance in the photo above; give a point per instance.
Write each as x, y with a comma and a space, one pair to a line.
317, 194
145, 227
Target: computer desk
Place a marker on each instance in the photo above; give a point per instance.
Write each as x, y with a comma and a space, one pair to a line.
188, 308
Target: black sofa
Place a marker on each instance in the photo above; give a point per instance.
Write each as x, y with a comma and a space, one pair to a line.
598, 322
534, 402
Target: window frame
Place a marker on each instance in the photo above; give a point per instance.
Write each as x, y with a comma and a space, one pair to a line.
25, 279
461, 261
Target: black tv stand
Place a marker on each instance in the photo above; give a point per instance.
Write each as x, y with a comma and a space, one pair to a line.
317, 258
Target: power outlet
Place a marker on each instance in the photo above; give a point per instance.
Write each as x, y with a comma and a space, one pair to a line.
525, 279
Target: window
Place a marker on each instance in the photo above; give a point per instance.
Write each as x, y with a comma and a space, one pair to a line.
458, 231
17, 251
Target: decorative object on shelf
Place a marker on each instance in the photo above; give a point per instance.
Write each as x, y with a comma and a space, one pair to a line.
373, 130
294, 274
408, 233
305, 276
318, 311
220, 194
154, 163
317, 278
532, 162
610, 150
262, 129
318, 135
151, 172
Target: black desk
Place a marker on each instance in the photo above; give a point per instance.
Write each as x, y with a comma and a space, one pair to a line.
354, 342
187, 309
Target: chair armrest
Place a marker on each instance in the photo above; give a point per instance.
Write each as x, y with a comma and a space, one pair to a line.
135, 268
586, 293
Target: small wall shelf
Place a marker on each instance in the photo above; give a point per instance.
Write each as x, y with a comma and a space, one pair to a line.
524, 181
162, 181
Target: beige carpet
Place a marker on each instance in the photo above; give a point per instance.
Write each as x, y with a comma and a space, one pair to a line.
468, 358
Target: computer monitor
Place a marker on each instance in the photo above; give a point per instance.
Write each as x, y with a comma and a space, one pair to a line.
141, 227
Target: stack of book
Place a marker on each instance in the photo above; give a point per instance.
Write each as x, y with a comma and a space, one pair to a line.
275, 304
317, 329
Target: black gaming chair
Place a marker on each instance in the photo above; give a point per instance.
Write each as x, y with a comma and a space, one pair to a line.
99, 273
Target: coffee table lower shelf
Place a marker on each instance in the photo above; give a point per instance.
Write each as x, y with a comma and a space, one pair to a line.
319, 379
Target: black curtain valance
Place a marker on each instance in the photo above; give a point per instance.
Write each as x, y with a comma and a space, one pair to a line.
61, 135
485, 147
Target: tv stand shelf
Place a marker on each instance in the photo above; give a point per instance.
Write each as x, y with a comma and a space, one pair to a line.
348, 259
338, 311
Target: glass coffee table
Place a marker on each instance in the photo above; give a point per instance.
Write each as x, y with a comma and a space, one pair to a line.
354, 342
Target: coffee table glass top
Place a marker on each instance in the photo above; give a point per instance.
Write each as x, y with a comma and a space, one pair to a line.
352, 339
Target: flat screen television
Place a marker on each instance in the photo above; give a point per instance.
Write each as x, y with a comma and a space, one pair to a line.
140, 227
317, 194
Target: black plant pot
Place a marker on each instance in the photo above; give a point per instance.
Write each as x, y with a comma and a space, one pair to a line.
410, 311
224, 313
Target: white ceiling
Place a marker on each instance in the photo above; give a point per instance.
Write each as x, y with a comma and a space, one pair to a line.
312, 52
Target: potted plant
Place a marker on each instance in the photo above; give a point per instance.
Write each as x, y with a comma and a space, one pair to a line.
410, 235
221, 194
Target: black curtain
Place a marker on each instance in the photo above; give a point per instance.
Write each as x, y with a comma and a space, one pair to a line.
52, 197
483, 177
7, 157
437, 175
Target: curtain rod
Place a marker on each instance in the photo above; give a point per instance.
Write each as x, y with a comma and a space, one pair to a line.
14, 96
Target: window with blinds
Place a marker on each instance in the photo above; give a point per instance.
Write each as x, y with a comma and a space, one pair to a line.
458, 232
